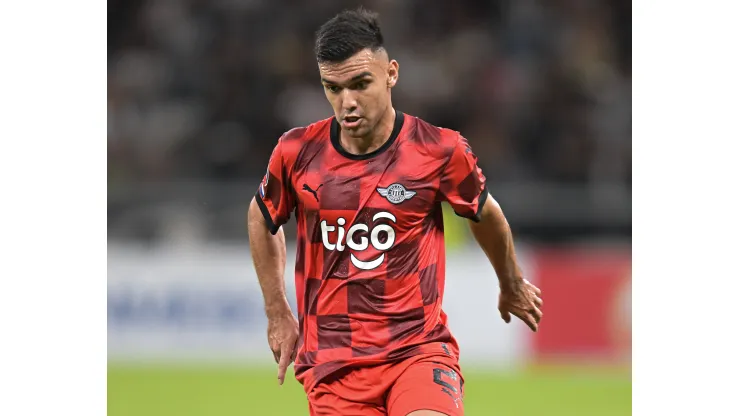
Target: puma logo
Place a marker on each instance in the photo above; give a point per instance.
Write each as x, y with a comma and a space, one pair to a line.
315, 193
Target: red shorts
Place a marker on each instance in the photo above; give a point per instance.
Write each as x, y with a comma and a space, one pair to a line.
395, 389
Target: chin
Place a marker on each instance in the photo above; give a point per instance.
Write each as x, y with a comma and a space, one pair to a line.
359, 132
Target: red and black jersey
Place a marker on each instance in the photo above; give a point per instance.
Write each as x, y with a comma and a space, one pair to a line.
370, 261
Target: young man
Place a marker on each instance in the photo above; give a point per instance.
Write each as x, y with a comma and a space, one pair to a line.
366, 187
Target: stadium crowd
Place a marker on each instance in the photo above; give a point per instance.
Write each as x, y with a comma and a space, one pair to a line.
202, 89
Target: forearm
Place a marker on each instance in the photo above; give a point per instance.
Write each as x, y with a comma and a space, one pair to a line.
493, 234
269, 257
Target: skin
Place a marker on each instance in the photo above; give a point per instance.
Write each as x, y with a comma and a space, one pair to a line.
518, 296
361, 86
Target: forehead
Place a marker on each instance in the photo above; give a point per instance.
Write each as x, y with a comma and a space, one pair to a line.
363, 61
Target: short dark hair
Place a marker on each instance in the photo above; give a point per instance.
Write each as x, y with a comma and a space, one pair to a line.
348, 33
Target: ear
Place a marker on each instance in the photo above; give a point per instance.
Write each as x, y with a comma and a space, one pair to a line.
392, 73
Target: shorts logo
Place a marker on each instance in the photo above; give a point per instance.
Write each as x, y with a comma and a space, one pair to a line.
263, 185
396, 193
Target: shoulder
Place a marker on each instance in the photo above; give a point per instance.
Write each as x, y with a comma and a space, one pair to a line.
429, 138
293, 141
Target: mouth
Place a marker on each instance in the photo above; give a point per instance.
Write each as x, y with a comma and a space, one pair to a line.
351, 121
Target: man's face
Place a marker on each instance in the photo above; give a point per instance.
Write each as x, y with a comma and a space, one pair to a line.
359, 89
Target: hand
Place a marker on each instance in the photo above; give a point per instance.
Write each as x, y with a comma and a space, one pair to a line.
522, 300
282, 335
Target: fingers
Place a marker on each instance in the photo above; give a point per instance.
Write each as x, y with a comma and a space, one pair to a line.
287, 355
505, 315
534, 288
524, 303
275, 348
537, 301
531, 317
283, 365
295, 351
527, 319
502, 308
536, 314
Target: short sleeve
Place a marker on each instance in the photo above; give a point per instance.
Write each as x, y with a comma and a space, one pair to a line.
463, 184
274, 195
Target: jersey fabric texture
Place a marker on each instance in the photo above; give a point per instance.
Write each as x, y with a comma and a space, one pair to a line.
370, 261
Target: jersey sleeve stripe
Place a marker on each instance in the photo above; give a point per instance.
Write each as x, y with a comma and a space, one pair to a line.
481, 201
266, 213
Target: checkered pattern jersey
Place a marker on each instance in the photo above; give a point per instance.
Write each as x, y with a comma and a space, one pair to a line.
370, 261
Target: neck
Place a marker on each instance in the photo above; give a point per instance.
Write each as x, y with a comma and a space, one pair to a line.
373, 140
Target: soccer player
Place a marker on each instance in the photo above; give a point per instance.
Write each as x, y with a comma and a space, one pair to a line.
366, 188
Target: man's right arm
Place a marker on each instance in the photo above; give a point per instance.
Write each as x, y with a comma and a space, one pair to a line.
269, 210
269, 256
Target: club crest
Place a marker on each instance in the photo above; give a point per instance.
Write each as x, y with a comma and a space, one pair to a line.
396, 193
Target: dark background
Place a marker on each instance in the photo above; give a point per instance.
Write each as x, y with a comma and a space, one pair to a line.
200, 90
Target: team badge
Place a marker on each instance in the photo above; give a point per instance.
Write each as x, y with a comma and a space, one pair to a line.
396, 193
263, 185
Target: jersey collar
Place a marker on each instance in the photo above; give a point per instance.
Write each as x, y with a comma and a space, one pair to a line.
334, 134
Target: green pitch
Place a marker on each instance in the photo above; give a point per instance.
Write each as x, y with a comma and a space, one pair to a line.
214, 391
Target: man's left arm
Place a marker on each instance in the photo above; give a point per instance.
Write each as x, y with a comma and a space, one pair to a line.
464, 187
518, 297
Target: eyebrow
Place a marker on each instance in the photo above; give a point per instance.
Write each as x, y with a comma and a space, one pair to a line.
355, 78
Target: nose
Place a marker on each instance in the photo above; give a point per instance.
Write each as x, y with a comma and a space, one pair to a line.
349, 101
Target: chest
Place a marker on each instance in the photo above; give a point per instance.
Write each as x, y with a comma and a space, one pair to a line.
358, 191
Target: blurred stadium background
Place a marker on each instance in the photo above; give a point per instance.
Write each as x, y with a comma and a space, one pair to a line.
200, 90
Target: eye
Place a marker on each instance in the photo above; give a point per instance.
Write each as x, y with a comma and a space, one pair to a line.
332, 88
361, 85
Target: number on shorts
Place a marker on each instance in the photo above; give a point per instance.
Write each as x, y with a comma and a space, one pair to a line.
448, 388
